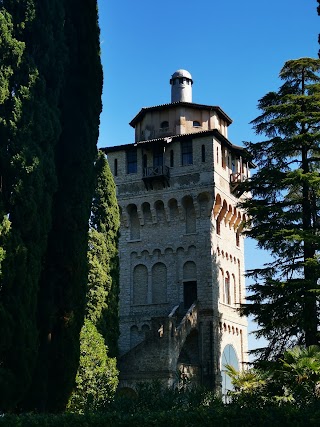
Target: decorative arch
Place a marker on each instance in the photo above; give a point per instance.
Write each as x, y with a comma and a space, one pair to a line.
140, 284
204, 204
160, 212
134, 222
173, 209
190, 214
227, 291
146, 211
228, 357
189, 271
159, 283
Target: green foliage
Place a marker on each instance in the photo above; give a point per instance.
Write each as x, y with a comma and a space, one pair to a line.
294, 379
217, 415
29, 130
97, 376
284, 210
63, 283
50, 101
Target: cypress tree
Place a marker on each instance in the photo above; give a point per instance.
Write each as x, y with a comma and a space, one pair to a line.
285, 210
101, 324
103, 283
63, 284
29, 129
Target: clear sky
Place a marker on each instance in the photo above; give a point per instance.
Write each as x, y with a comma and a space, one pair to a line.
233, 49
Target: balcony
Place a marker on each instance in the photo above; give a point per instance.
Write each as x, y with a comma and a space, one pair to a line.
156, 173
235, 180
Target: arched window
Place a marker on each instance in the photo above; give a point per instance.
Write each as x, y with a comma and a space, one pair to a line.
227, 295
140, 284
218, 226
238, 238
159, 283
229, 357
134, 223
196, 123
164, 124
190, 215
234, 284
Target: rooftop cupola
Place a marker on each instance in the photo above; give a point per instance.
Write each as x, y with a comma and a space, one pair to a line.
181, 86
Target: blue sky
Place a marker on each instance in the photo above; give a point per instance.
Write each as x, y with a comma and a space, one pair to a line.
233, 49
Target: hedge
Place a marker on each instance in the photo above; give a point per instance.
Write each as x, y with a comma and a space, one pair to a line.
226, 416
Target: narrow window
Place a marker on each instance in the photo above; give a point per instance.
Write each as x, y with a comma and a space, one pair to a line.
238, 238
218, 230
171, 159
145, 165
186, 153
227, 295
115, 168
203, 153
224, 157
158, 157
132, 161
217, 155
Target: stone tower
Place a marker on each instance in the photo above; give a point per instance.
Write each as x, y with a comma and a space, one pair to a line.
181, 249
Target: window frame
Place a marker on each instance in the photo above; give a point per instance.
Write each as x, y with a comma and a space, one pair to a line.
132, 161
186, 152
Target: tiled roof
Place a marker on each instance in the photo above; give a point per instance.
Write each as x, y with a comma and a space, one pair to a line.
167, 139
144, 110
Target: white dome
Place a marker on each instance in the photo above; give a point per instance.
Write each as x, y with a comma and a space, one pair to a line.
181, 73
181, 86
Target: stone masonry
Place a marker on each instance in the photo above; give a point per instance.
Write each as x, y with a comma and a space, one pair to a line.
181, 249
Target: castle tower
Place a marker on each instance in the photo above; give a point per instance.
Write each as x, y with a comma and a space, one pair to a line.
181, 86
181, 249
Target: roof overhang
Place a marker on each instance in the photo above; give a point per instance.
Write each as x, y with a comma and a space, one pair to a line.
173, 105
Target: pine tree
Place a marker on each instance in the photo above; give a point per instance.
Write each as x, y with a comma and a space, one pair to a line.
29, 130
284, 210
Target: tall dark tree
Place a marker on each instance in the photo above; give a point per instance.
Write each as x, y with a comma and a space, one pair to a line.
103, 283
97, 375
63, 285
285, 210
32, 57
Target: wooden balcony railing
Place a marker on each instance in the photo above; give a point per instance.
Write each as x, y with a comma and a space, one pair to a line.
235, 180
152, 173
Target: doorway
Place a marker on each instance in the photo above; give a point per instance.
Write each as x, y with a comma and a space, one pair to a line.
189, 293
